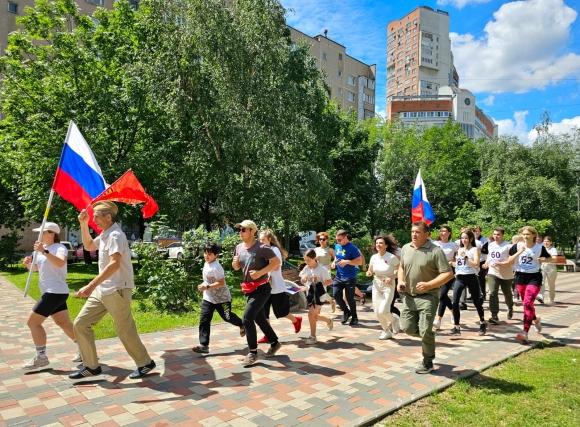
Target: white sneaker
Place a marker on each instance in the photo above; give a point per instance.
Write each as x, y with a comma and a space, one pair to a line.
35, 363
396, 325
538, 325
78, 358
436, 324
311, 340
385, 335
522, 336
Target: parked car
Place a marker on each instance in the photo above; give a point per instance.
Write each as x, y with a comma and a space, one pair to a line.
80, 255
175, 250
70, 257
302, 248
160, 250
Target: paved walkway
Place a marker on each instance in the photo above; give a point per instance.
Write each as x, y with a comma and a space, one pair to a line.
350, 378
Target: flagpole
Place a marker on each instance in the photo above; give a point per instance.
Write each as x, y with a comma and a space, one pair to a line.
46, 211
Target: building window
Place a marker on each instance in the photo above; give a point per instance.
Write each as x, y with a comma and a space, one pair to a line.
96, 2
12, 7
135, 5
351, 97
340, 56
369, 99
340, 91
340, 74
351, 80
325, 57
427, 60
427, 52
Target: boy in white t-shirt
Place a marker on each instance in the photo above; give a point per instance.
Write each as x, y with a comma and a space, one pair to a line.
216, 296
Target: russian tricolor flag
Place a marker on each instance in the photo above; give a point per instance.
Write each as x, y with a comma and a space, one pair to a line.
78, 177
421, 209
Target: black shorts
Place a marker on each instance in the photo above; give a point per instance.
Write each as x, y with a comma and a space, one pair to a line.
280, 305
521, 278
49, 304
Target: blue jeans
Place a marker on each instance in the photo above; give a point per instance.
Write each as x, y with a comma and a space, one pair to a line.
346, 286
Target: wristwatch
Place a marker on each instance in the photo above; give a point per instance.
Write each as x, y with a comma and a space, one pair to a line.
46, 251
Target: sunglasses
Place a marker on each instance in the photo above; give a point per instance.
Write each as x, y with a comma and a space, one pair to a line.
322, 239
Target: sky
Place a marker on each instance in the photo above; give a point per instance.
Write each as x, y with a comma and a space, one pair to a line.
519, 58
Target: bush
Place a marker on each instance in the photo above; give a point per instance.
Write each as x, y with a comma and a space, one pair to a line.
8, 244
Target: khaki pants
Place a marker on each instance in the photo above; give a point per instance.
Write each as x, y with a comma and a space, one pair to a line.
118, 305
549, 278
417, 321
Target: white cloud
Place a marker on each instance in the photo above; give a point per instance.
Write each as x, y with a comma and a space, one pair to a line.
568, 126
516, 127
524, 48
488, 101
459, 4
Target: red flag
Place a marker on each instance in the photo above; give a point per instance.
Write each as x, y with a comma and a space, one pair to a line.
128, 189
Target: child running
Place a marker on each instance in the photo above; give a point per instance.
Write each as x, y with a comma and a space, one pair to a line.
383, 264
216, 296
316, 278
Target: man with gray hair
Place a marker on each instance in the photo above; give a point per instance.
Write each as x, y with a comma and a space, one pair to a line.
109, 292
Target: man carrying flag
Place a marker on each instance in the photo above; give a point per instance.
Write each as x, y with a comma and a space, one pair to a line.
109, 292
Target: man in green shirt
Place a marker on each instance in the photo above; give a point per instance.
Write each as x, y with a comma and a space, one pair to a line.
424, 269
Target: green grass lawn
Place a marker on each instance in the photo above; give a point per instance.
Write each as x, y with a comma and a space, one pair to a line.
538, 388
150, 320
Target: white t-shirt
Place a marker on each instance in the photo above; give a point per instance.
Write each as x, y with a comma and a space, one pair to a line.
51, 278
549, 267
321, 274
112, 241
499, 253
482, 241
448, 248
528, 259
212, 273
278, 285
384, 266
461, 265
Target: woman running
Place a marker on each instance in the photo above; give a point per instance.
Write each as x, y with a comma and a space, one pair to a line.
549, 272
466, 269
51, 266
279, 299
383, 264
528, 279
450, 249
324, 254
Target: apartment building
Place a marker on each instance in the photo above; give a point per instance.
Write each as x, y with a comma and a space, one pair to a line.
352, 82
422, 82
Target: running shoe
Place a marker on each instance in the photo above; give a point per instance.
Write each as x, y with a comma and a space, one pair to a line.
540, 299
424, 368
510, 313
143, 370
436, 324
86, 372
273, 349
311, 340
494, 320
36, 362
353, 321
538, 325
250, 359
332, 306
330, 324
454, 331
396, 325
385, 335
78, 358
523, 337
345, 318
201, 349
297, 324
482, 329
264, 340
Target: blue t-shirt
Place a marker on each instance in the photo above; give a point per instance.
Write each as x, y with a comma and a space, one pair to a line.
348, 252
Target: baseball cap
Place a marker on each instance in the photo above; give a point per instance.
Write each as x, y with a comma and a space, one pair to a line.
106, 205
49, 226
247, 223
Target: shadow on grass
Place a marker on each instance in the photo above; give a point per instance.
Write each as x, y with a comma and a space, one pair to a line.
481, 381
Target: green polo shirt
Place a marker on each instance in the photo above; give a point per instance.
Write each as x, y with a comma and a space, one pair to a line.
422, 265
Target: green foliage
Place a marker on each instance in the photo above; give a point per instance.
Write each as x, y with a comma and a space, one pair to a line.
8, 245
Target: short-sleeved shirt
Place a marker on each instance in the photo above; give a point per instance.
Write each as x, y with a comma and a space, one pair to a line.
211, 274
110, 242
499, 253
528, 259
278, 285
321, 274
52, 279
448, 248
255, 257
549, 267
384, 266
422, 264
347, 252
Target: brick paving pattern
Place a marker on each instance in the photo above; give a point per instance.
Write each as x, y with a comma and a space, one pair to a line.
350, 377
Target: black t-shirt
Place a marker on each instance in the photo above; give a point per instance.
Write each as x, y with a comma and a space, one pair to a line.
255, 257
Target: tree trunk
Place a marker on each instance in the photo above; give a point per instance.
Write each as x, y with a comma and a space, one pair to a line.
287, 235
141, 226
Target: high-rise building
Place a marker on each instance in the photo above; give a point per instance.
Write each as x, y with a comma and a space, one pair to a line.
352, 82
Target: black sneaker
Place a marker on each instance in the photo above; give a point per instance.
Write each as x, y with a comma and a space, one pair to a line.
510, 313
454, 331
540, 300
142, 371
345, 318
201, 349
494, 320
482, 328
353, 321
86, 372
463, 306
424, 368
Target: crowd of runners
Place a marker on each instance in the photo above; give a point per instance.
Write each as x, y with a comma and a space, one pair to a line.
426, 276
